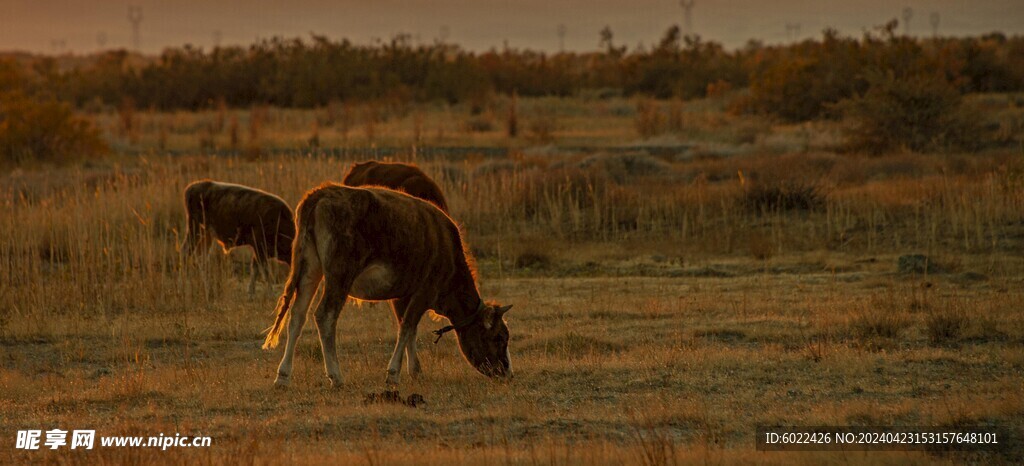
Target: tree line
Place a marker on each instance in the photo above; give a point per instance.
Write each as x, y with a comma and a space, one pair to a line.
796, 82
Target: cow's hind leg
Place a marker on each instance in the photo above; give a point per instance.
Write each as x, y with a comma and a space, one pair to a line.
401, 307
297, 318
409, 312
335, 293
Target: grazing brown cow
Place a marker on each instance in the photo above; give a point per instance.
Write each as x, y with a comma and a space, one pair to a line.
376, 244
236, 215
398, 176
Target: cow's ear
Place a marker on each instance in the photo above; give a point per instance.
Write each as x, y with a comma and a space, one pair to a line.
502, 310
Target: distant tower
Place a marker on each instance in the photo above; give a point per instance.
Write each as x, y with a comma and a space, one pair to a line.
687, 15
561, 37
934, 19
907, 14
217, 36
793, 31
135, 17
101, 40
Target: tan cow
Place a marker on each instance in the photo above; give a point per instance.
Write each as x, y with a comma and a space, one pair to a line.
376, 244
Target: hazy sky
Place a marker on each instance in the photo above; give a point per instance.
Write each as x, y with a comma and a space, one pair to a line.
51, 25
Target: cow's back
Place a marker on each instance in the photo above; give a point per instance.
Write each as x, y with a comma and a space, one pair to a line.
386, 226
398, 176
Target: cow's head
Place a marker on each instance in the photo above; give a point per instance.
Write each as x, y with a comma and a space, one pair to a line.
484, 342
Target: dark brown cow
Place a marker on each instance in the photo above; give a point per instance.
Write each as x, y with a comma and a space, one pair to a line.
376, 244
403, 177
236, 215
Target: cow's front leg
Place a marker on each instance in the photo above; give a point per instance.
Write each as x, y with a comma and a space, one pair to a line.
410, 352
412, 320
409, 311
405, 334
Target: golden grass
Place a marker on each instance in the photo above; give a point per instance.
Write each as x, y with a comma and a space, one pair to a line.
657, 320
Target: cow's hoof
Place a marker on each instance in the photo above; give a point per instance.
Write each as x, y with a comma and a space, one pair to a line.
392, 378
335, 382
415, 372
282, 381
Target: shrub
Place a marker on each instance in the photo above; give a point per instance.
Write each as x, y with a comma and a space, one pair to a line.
542, 128
801, 83
648, 121
480, 123
920, 113
622, 167
783, 196
512, 124
43, 129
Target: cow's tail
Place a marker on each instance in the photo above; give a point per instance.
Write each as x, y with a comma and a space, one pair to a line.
283, 304
304, 237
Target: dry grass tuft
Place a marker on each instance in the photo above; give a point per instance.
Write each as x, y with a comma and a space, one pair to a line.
872, 323
947, 323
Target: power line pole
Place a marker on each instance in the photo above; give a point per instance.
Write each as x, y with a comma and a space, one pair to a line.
217, 36
135, 17
934, 19
687, 15
58, 45
101, 39
907, 14
792, 31
561, 37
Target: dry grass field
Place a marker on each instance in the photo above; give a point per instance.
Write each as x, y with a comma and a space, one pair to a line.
664, 308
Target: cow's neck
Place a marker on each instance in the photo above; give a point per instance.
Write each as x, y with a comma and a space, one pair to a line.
462, 307
462, 302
